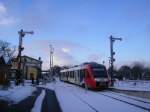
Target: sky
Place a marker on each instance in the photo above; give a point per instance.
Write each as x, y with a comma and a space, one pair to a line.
79, 30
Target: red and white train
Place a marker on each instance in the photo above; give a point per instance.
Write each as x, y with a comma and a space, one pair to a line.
91, 75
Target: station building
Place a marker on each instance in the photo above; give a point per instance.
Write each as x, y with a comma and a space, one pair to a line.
30, 67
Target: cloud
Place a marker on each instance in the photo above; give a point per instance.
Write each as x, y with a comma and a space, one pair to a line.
62, 51
2, 9
66, 50
5, 19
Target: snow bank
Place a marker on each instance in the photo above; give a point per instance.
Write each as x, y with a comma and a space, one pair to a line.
132, 85
38, 103
16, 93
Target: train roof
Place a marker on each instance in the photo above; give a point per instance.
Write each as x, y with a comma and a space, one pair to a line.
74, 68
83, 66
93, 64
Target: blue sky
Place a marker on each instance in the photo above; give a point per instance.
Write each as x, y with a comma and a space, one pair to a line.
79, 30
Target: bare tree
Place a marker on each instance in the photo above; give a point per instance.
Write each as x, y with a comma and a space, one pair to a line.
124, 71
6, 49
137, 70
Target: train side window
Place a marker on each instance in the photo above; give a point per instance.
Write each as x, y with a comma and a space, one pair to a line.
73, 75
72, 72
77, 73
83, 73
70, 75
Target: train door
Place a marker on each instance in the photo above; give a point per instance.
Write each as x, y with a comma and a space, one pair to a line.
82, 76
87, 76
76, 76
89, 82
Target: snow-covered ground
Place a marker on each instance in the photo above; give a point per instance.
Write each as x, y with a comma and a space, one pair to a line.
75, 99
15, 94
132, 85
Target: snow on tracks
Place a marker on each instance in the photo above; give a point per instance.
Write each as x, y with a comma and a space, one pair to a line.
136, 103
74, 98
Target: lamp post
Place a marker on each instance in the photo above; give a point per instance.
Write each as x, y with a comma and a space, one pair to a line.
20, 49
112, 53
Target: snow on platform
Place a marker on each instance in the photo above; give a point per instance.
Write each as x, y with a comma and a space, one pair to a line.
132, 85
38, 103
75, 99
16, 94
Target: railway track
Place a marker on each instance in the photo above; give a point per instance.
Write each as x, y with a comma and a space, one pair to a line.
147, 102
127, 102
112, 97
138, 103
89, 105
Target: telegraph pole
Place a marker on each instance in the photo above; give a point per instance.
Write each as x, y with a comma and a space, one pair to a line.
103, 62
20, 49
112, 53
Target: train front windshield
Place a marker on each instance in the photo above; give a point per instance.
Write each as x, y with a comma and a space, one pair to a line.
99, 72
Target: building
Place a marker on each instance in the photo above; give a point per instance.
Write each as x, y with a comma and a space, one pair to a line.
5, 66
30, 67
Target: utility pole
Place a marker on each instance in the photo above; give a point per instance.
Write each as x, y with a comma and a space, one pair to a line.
109, 61
20, 49
112, 53
51, 58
